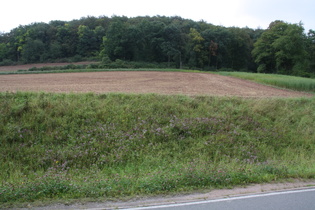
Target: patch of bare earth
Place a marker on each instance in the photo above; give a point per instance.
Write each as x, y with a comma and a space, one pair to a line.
142, 82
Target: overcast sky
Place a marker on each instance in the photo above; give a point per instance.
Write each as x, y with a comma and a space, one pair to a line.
240, 13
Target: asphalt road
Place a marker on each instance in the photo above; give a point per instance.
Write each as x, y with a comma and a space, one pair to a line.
303, 199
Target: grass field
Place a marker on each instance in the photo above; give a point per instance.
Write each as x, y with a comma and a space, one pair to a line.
73, 146
283, 81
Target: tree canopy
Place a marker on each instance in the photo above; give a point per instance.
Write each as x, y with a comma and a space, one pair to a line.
281, 48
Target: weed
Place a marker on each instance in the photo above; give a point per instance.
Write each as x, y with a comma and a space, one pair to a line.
71, 146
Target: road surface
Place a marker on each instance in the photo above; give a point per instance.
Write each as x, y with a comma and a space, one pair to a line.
303, 199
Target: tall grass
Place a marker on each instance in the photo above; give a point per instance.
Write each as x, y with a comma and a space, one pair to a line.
72, 146
284, 81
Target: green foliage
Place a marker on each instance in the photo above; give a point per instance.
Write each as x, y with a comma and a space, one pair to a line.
89, 40
281, 49
3, 51
311, 50
33, 51
6, 62
74, 146
283, 81
225, 47
198, 55
115, 42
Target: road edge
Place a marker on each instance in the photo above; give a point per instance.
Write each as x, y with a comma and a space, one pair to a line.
141, 202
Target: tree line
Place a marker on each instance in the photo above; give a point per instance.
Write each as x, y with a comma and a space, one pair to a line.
281, 48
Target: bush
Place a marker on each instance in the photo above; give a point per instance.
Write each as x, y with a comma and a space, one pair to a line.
226, 69
7, 62
76, 58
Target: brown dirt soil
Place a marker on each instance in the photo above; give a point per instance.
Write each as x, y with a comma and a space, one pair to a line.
142, 82
38, 65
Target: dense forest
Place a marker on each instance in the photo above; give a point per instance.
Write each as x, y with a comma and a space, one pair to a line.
283, 47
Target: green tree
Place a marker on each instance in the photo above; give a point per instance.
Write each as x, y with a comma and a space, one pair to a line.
156, 39
311, 50
213, 51
33, 51
198, 55
240, 47
17, 40
67, 36
281, 49
148, 36
38, 31
55, 50
87, 42
221, 37
115, 41
173, 45
3, 51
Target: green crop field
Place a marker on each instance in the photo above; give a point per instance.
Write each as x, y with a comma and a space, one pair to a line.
105, 146
283, 81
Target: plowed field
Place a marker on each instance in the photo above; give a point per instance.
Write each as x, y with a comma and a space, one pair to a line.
142, 82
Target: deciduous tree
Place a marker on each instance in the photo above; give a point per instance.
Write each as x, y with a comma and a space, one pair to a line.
198, 55
281, 49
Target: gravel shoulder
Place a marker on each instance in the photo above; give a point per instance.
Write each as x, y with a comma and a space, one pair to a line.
168, 83
175, 199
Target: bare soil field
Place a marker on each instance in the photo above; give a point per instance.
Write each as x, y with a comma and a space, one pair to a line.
142, 82
38, 65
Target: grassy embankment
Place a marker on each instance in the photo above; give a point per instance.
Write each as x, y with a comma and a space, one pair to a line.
72, 146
